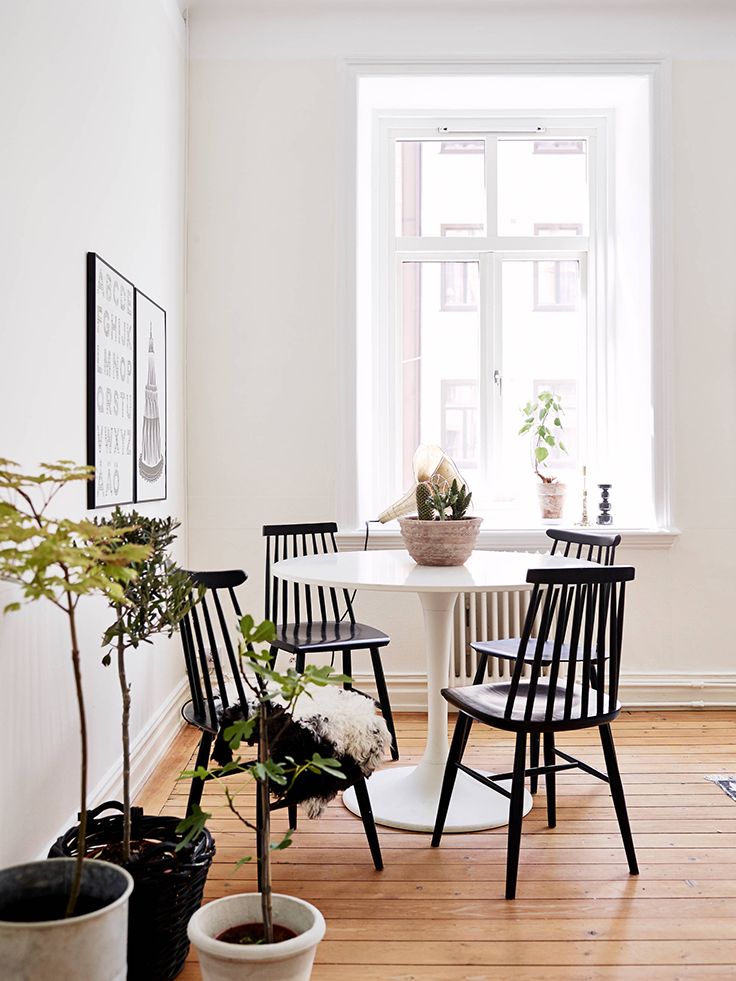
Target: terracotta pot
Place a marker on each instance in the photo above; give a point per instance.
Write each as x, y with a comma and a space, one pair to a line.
440, 542
551, 500
289, 960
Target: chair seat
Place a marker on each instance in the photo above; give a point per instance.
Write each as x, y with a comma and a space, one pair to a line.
487, 703
201, 719
508, 649
329, 636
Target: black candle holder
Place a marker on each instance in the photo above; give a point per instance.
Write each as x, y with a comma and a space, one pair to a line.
605, 517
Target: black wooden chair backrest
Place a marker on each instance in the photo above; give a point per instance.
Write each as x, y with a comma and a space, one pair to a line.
210, 645
584, 545
297, 602
589, 619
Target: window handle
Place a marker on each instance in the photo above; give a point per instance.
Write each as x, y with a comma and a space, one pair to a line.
498, 380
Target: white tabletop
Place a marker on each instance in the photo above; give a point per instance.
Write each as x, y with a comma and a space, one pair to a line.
394, 569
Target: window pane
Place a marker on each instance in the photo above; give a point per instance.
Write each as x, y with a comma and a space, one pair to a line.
440, 361
542, 193
543, 347
440, 188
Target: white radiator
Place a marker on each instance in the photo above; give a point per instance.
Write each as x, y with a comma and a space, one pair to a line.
485, 616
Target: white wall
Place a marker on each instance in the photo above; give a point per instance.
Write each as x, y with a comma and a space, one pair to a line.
92, 158
266, 323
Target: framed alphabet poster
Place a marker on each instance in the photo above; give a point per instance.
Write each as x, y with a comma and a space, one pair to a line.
150, 372
110, 384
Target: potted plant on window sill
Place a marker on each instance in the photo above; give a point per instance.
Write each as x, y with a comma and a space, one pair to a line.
441, 534
542, 420
65, 917
261, 935
169, 880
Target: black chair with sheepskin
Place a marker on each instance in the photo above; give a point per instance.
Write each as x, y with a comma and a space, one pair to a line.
334, 722
317, 619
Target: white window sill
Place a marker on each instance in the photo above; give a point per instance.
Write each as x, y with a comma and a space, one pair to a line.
526, 539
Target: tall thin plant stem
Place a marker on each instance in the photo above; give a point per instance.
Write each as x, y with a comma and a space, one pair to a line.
125, 694
264, 831
82, 834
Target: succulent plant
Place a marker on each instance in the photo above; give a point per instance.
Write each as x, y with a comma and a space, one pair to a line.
438, 502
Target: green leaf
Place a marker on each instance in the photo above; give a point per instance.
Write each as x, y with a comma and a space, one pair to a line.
541, 453
192, 826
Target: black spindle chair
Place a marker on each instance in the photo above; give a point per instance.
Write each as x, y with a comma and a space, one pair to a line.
573, 544
319, 619
210, 641
583, 609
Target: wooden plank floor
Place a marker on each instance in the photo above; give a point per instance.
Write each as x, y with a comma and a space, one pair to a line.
439, 914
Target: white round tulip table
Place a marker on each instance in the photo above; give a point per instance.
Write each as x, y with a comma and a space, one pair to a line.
401, 796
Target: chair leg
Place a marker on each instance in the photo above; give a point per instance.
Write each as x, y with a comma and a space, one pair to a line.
457, 748
533, 761
203, 758
347, 668
299, 661
383, 700
550, 779
480, 671
617, 793
292, 812
369, 824
516, 813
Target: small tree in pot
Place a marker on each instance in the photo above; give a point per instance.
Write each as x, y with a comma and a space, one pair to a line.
60, 560
542, 418
169, 882
155, 602
248, 920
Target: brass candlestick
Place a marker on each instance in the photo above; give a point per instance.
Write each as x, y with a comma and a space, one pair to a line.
584, 520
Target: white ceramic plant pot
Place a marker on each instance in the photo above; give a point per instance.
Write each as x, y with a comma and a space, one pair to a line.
440, 542
551, 500
92, 946
289, 960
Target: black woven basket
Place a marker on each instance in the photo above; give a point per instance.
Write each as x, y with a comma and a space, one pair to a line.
168, 886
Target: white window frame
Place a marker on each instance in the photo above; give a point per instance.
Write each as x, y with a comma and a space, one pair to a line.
391, 250
353, 346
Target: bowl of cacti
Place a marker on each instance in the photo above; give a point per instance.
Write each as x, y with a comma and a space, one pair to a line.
441, 533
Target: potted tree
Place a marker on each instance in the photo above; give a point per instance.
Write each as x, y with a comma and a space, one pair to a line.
542, 418
441, 533
261, 935
169, 880
66, 917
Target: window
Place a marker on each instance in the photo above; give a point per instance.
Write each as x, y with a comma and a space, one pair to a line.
460, 421
462, 146
513, 309
496, 262
556, 284
559, 146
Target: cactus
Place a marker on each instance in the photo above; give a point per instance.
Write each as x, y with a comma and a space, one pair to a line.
435, 500
425, 510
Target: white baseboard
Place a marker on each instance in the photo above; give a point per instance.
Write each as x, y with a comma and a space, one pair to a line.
408, 692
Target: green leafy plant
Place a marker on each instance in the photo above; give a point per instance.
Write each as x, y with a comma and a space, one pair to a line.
542, 418
265, 725
436, 501
61, 561
154, 602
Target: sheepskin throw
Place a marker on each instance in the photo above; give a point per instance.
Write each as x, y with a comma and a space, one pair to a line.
334, 723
